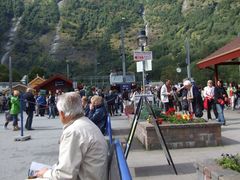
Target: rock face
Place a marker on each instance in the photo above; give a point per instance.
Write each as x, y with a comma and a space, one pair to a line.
11, 39
185, 6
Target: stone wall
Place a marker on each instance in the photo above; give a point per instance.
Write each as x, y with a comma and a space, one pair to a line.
180, 135
208, 169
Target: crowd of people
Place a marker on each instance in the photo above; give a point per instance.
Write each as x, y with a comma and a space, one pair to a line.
84, 117
186, 97
83, 148
192, 99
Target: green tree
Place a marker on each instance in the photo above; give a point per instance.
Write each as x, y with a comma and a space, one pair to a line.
36, 71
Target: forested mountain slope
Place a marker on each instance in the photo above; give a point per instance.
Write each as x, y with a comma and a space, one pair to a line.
87, 33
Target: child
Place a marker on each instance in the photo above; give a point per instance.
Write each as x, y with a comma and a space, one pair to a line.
15, 109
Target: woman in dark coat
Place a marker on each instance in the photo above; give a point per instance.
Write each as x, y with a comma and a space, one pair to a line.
220, 95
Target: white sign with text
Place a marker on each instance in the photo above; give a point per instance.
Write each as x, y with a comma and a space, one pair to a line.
142, 55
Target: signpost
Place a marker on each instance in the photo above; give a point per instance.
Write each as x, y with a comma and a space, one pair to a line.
143, 60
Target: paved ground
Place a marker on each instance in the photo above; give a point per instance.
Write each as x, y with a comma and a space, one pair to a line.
15, 157
152, 165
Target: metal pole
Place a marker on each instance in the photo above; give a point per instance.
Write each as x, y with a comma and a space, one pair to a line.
67, 70
239, 58
21, 113
95, 71
188, 60
10, 75
143, 72
123, 54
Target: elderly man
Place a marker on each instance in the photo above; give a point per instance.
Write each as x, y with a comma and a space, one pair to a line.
193, 96
83, 149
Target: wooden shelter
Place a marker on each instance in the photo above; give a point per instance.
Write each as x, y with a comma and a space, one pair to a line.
227, 55
57, 82
20, 87
36, 81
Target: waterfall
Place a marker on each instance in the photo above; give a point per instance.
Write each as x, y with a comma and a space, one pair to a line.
11, 38
145, 21
56, 40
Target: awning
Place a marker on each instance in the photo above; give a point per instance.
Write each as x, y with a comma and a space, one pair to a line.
223, 56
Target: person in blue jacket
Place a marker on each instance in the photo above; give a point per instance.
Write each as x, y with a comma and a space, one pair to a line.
98, 113
41, 101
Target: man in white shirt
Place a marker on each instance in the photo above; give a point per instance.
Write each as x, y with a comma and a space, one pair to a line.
83, 149
208, 94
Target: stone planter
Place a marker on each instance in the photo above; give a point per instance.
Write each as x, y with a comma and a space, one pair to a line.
180, 135
209, 169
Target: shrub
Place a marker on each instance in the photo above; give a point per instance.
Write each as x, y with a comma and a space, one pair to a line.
230, 161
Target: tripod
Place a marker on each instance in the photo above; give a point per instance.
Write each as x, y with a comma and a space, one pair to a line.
143, 98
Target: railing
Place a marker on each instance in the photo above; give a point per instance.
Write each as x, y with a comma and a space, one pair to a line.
109, 129
118, 168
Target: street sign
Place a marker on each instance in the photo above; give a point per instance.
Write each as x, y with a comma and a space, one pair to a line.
148, 66
74, 84
142, 55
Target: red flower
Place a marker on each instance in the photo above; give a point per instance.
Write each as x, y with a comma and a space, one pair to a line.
171, 111
159, 120
179, 116
191, 116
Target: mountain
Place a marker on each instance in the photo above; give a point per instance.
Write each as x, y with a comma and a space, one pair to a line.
87, 35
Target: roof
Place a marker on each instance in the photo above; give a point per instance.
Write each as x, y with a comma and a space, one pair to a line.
52, 79
38, 80
223, 55
19, 87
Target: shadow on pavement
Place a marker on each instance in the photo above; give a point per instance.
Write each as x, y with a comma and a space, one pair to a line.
228, 141
230, 129
47, 128
232, 123
183, 168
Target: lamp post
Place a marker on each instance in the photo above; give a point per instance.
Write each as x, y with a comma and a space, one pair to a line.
188, 59
142, 42
10, 75
67, 61
123, 52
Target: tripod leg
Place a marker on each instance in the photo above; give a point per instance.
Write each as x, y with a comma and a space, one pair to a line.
160, 136
133, 128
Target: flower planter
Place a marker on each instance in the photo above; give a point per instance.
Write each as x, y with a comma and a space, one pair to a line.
209, 169
188, 135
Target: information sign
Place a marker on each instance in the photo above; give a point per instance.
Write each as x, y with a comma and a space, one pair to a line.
142, 55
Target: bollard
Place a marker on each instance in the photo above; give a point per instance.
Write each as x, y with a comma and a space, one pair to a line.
22, 137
